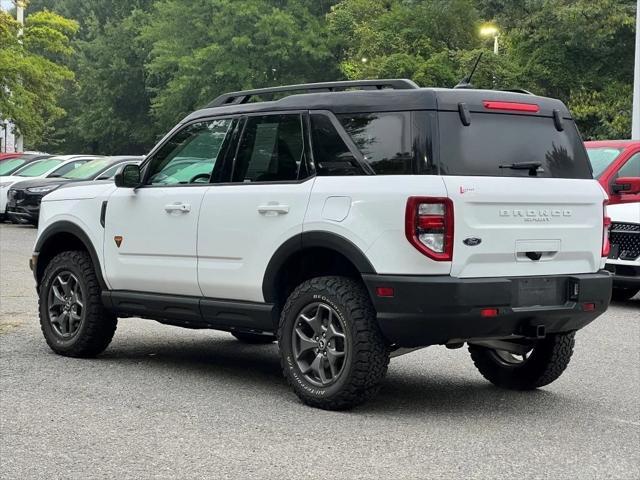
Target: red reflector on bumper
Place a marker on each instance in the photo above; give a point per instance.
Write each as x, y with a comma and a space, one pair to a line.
384, 291
588, 307
489, 312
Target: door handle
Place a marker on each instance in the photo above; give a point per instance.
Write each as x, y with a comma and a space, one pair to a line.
273, 209
177, 207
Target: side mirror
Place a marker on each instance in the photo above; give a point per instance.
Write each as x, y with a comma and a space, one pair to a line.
128, 177
626, 185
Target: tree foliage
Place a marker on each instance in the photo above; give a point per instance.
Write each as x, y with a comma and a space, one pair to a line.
140, 65
33, 73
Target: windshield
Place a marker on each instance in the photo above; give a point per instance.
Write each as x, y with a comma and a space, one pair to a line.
601, 158
503, 145
87, 171
8, 166
39, 167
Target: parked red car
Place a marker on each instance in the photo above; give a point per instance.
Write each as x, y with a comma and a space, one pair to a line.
616, 165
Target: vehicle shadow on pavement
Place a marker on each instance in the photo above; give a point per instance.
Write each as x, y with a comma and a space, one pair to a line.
229, 361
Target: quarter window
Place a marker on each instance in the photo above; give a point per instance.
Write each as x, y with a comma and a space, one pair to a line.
191, 155
383, 139
271, 149
331, 154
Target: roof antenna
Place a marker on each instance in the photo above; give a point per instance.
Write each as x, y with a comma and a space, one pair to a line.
466, 81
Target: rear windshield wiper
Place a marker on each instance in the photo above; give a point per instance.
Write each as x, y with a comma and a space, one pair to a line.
533, 167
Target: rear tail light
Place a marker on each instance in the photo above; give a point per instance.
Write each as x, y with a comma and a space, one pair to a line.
429, 226
606, 225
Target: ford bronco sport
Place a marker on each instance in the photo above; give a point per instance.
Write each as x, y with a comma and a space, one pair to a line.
349, 221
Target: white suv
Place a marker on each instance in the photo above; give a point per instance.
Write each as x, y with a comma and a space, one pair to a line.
351, 221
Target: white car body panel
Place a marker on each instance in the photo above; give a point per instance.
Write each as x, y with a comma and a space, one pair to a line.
561, 218
158, 249
240, 229
375, 220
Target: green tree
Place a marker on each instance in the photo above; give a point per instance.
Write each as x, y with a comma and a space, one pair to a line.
214, 46
33, 71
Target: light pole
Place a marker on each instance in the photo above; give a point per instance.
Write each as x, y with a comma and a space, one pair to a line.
635, 109
489, 30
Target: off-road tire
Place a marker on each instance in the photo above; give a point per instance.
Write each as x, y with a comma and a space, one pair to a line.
366, 363
547, 361
623, 294
98, 325
254, 338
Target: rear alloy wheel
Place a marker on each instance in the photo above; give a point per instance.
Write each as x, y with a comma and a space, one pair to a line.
528, 366
332, 351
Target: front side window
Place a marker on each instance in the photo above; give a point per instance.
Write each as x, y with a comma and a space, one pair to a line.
271, 149
39, 167
191, 155
631, 168
383, 138
330, 153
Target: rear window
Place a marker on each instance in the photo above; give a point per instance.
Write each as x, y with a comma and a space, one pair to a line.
493, 141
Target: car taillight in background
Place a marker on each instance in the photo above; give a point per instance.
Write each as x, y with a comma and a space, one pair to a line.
606, 225
429, 226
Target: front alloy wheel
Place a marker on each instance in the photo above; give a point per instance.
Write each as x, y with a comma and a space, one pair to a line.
65, 304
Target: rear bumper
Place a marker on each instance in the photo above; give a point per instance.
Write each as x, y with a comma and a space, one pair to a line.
430, 310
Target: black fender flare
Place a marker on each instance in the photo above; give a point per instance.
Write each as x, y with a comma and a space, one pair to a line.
302, 241
71, 228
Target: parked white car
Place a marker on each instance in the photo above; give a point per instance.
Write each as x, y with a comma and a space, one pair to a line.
348, 225
624, 258
47, 167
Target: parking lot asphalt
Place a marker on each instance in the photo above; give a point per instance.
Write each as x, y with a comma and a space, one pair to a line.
165, 402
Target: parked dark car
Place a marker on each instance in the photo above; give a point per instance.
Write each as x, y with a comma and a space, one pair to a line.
23, 203
10, 165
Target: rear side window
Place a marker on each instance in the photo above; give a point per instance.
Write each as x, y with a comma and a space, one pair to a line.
271, 149
492, 142
384, 139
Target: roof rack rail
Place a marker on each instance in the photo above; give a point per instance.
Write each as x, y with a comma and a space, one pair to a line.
235, 98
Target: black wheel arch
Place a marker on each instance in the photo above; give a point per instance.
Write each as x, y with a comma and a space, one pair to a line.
59, 237
307, 241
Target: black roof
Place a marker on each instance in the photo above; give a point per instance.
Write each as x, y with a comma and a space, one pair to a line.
392, 96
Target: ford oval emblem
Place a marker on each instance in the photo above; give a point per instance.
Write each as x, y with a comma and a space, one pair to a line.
472, 242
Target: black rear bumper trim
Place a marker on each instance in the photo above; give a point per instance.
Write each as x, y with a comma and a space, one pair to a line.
430, 310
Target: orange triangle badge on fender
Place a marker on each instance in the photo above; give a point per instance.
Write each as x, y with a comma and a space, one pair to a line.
118, 240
